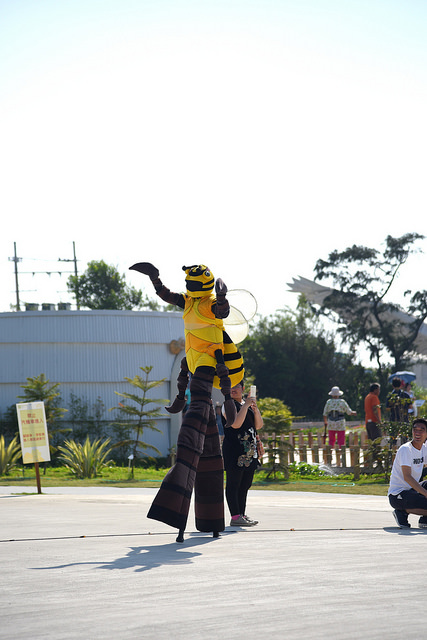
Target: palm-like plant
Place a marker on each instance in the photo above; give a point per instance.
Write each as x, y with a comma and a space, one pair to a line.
85, 460
9, 455
136, 416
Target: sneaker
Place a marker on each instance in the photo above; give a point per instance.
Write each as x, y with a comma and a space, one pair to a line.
422, 522
254, 522
241, 522
401, 518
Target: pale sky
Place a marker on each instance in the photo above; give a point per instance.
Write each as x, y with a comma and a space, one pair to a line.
251, 136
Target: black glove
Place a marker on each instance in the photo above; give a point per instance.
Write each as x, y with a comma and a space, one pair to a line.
147, 269
220, 287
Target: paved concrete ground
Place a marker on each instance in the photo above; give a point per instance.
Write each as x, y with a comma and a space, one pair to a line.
87, 563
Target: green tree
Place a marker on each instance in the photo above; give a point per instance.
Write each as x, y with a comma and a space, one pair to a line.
86, 420
39, 389
135, 415
102, 287
293, 358
276, 415
420, 393
277, 419
9, 423
363, 279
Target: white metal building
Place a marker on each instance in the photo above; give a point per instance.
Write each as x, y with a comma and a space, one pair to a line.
89, 353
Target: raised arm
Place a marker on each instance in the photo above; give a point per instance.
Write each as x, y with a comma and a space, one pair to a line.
221, 307
163, 292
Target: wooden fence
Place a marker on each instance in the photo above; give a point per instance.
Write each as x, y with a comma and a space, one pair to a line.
297, 446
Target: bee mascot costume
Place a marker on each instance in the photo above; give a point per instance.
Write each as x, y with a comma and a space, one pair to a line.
212, 360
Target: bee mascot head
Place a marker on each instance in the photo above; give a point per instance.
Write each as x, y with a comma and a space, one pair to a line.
199, 280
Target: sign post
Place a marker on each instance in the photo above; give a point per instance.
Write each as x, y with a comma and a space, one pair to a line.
33, 435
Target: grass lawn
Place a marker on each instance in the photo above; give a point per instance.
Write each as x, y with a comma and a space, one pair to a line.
121, 477
62, 477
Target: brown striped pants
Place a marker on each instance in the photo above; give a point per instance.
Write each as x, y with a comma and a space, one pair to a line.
198, 464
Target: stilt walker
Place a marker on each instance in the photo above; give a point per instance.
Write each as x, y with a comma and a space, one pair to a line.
213, 360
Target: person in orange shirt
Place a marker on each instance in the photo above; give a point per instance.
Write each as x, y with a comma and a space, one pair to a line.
373, 412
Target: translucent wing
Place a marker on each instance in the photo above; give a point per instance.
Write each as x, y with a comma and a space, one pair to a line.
244, 301
243, 308
236, 326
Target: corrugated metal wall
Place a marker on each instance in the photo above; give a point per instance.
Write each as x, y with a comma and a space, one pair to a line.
89, 353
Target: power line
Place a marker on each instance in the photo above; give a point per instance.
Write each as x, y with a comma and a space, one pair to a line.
15, 259
48, 273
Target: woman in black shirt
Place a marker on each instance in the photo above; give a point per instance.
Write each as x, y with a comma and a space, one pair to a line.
239, 451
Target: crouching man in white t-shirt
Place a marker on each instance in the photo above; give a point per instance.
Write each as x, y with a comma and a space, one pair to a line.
406, 494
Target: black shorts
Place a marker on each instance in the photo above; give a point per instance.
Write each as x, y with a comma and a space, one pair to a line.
409, 499
373, 430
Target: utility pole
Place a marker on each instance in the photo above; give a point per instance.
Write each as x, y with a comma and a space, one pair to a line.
74, 259
75, 273
15, 259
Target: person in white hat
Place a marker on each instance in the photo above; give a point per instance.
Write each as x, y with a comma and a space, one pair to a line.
334, 417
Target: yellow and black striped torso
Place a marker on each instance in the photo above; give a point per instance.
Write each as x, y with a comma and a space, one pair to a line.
204, 334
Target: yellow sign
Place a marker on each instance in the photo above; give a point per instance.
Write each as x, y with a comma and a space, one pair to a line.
33, 432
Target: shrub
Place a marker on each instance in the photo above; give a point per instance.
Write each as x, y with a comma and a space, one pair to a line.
305, 469
150, 462
85, 460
